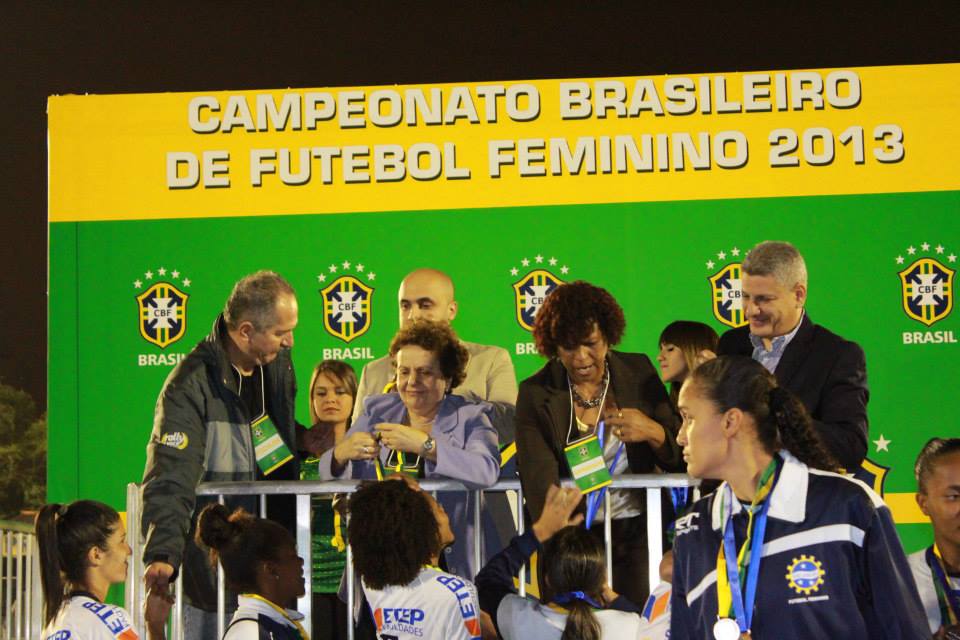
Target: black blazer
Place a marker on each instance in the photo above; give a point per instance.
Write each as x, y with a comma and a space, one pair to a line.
543, 417
829, 375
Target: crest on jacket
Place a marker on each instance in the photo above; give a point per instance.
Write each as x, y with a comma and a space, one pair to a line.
347, 308
163, 314
927, 288
727, 295
530, 292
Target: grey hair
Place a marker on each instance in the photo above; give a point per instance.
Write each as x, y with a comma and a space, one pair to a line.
778, 259
254, 298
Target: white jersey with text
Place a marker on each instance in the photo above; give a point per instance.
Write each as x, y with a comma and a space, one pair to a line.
434, 606
84, 618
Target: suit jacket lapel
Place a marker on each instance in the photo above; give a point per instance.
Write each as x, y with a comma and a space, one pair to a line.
624, 383
796, 352
556, 404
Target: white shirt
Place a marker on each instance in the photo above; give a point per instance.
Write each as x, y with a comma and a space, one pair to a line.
928, 592
84, 618
526, 619
434, 606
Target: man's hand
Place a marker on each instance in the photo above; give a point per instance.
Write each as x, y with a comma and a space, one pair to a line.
557, 509
156, 579
157, 576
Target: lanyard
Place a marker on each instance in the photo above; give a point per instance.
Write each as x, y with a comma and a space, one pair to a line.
947, 598
594, 499
385, 469
303, 632
734, 568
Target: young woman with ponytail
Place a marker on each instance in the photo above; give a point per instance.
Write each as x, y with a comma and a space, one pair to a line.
260, 562
785, 548
83, 550
581, 606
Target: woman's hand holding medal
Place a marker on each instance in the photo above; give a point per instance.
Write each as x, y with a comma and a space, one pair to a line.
358, 446
401, 437
633, 425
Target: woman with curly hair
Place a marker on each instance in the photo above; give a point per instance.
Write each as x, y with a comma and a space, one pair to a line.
786, 548
397, 534
424, 431
83, 550
260, 562
587, 390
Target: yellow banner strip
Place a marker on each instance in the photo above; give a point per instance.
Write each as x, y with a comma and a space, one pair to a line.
546, 142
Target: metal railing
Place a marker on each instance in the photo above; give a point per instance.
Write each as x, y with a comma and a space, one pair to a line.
652, 484
21, 597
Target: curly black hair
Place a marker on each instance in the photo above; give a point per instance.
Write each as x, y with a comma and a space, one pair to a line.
393, 532
439, 339
569, 313
782, 420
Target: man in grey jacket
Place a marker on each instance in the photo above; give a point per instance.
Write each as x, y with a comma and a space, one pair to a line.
226, 412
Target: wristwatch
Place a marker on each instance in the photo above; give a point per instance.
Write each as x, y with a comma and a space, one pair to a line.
428, 445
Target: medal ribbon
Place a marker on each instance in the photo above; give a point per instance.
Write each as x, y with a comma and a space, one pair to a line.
947, 598
594, 499
384, 470
300, 630
735, 569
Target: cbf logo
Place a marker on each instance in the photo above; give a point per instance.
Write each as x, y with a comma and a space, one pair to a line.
805, 575
162, 307
726, 293
347, 301
926, 286
531, 290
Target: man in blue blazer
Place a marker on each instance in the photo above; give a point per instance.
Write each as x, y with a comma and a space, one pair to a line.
827, 372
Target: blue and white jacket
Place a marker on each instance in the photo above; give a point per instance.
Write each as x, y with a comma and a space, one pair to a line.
832, 564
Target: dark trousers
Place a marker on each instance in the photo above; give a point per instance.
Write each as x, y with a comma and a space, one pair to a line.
329, 617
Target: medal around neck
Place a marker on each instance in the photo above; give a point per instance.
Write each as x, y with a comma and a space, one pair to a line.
726, 629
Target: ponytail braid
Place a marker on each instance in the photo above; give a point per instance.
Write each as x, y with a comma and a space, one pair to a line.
782, 420
795, 430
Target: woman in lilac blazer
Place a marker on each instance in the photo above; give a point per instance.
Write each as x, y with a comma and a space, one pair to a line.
424, 431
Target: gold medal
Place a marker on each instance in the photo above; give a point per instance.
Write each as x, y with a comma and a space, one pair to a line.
726, 629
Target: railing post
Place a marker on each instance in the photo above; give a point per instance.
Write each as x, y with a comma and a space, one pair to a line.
654, 537
305, 546
28, 590
135, 591
221, 591
349, 570
477, 529
176, 625
522, 576
18, 605
607, 535
7, 553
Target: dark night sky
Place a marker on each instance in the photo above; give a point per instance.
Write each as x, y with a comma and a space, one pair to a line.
124, 47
